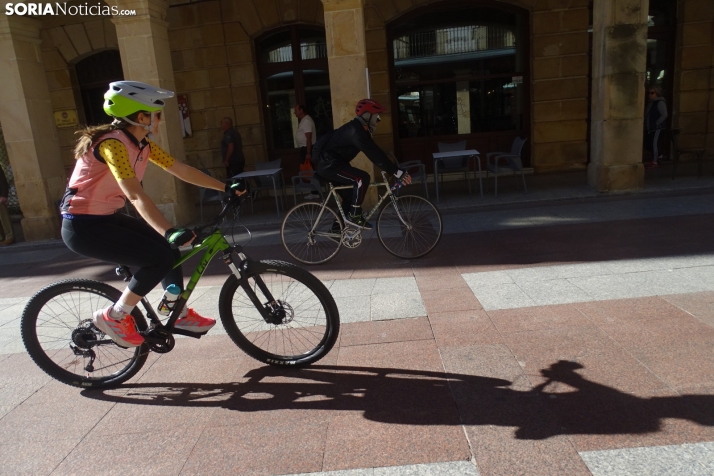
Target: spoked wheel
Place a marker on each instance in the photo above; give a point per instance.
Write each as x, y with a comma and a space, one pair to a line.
303, 320
307, 243
58, 334
410, 230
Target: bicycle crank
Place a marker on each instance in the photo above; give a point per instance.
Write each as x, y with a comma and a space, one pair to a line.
159, 340
351, 238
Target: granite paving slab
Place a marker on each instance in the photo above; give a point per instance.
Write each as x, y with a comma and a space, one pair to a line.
455, 468
583, 282
689, 459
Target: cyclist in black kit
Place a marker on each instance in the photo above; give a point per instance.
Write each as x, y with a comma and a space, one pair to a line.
333, 153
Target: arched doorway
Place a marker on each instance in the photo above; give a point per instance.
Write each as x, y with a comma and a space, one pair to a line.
460, 71
293, 70
94, 74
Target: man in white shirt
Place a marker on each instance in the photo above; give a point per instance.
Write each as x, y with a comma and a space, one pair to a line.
305, 138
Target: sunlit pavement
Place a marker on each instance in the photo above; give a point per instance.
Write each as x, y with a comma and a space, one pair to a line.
549, 337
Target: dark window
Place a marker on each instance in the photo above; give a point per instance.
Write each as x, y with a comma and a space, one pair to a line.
293, 69
459, 71
94, 74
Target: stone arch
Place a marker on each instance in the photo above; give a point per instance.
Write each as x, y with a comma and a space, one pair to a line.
66, 41
75, 40
259, 16
213, 57
559, 60
377, 15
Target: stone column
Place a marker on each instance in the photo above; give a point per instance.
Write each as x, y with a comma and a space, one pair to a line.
28, 125
347, 59
618, 94
145, 55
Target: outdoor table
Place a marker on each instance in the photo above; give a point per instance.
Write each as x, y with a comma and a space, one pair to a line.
472, 154
272, 173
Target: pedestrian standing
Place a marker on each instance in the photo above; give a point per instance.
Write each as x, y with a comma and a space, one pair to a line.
655, 122
231, 148
6, 234
305, 138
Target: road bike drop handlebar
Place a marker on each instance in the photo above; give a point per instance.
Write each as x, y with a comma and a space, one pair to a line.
397, 185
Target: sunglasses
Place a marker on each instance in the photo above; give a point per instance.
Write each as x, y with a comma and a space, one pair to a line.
652, 92
157, 114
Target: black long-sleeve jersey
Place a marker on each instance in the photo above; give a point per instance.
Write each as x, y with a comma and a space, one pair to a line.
334, 150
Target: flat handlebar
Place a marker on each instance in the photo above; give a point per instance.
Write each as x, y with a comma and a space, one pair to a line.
203, 231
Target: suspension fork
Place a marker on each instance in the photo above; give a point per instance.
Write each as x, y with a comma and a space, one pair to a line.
241, 273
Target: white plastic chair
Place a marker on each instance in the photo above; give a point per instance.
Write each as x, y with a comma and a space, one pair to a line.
299, 184
499, 163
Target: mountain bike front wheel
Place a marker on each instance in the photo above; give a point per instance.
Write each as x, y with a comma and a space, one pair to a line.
411, 229
304, 320
307, 233
59, 335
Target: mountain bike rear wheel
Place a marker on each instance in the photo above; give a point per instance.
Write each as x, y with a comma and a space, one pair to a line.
305, 320
410, 230
58, 334
307, 235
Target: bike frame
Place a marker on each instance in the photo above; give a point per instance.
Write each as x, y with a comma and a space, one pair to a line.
213, 244
388, 193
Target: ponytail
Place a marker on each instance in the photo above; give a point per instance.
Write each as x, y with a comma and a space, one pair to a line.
89, 135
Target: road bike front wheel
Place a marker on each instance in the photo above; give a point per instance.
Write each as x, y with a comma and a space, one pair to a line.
303, 318
307, 233
411, 229
59, 335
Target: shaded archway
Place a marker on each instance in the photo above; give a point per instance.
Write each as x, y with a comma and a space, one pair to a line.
94, 74
292, 62
459, 71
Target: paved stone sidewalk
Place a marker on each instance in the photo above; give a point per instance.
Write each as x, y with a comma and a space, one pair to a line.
602, 364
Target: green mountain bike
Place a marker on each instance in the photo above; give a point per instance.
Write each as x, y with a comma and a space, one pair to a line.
276, 312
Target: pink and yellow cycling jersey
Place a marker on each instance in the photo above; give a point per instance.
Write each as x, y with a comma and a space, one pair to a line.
94, 188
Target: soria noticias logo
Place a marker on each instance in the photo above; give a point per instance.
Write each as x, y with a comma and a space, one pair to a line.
42, 9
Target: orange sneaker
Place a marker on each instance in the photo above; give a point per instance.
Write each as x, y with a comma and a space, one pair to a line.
194, 322
122, 331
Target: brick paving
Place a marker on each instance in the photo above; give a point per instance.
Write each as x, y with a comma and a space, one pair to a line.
601, 364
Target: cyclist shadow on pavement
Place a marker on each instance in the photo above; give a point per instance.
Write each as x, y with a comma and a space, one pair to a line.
414, 397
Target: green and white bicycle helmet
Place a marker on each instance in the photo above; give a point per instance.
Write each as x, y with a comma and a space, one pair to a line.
127, 97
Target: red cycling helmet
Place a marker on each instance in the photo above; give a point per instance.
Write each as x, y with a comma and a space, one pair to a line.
368, 105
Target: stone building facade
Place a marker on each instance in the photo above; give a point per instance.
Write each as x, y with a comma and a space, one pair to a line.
577, 91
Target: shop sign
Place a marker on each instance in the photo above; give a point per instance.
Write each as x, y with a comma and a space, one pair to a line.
66, 118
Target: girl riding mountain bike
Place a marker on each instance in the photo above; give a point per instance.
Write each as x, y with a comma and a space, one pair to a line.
111, 161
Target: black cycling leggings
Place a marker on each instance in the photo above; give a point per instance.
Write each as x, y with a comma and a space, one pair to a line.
349, 175
123, 240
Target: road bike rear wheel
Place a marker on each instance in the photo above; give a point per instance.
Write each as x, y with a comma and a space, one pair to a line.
305, 320
410, 230
307, 235
58, 334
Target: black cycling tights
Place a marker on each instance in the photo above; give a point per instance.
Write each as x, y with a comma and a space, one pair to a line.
348, 175
123, 240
